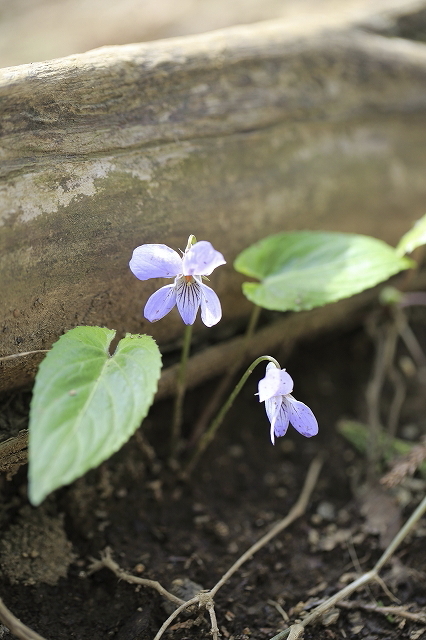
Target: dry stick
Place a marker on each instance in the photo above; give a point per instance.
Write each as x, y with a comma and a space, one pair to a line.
284, 332
15, 626
295, 512
366, 577
205, 599
400, 612
175, 614
23, 353
213, 622
296, 631
399, 386
412, 345
385, 351
107, 561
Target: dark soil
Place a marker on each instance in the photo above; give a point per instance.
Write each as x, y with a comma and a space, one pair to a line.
160, 528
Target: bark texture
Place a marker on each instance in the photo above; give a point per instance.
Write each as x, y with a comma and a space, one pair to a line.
230, 135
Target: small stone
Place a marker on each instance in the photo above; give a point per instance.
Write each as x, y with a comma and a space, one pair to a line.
357, 629
232, 547
236, 451
139, 568
221, 529
326, 510
281, 492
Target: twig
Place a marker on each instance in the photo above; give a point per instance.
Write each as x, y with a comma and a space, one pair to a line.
297, 510
107, 561
205, 599
366, 577
15, 626
397, 401
23, 353
386, 589
284, 333
412, 344
280, 610
174, 615
296, 631
386, 339
401, 612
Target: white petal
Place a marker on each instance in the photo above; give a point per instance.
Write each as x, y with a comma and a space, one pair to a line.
302, 418
155, 261
278, 414
277, 382
211, 311
160, 303
188, 298
201, 259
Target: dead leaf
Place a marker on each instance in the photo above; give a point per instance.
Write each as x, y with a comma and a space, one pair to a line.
382, 514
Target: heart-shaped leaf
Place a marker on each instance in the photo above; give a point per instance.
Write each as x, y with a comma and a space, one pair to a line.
301, 270
87, 403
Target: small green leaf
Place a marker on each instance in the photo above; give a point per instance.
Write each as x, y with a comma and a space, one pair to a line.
301, 270
414, 238
87, 403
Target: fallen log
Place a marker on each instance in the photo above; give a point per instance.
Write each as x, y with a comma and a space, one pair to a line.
230, 135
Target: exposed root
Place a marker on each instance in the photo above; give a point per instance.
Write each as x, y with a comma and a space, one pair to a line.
15, 626
205, 599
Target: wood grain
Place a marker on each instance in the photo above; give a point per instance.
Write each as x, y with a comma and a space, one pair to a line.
230, 135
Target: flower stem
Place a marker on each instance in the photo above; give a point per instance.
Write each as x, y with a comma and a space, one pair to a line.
226, 381
180, 392
214, 426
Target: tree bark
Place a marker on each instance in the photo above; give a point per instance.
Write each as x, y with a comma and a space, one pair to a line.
230, 135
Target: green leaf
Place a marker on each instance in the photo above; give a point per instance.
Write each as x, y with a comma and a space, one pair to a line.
87, 403
305, 269
414, 238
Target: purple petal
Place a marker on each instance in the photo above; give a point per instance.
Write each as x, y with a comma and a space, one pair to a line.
277, 382
160, 303
201, 259
211, 311
155, 261
188, 298
277, 412
302, 418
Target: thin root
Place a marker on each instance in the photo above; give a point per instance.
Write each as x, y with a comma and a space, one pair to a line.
15, 626
400, 612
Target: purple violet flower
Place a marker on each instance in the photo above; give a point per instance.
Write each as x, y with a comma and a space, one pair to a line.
281, 408
188, 292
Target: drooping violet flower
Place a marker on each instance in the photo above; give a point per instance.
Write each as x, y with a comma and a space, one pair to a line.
281, 408
188, 292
